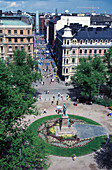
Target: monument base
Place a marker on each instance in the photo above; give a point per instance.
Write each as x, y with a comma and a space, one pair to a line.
64, 131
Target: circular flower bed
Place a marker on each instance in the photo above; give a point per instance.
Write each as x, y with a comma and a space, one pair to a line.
64, 146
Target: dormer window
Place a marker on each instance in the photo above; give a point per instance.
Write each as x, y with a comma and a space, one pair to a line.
96, 41
67, 42
91, 41
86, 41
106, 41
81, 41
101, 41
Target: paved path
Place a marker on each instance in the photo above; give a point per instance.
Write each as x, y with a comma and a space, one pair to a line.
94, 112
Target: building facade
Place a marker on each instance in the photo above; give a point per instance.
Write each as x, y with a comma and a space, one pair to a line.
73, 43
15, 34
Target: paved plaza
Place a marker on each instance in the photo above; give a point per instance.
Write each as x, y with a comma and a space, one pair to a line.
95, 112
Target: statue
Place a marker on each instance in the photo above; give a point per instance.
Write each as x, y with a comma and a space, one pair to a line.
64, 110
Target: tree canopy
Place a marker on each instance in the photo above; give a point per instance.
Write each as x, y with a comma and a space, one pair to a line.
16, 98
89, 75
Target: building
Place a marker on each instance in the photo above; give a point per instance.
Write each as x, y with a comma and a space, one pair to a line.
75, 41
15, 34
58, 22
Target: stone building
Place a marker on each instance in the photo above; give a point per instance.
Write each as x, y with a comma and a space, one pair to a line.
75, 41
15, 34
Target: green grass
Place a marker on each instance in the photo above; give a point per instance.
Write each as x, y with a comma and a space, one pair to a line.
68, 152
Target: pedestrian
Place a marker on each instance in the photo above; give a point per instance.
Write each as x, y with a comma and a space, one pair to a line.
57, 102
109, 114
43, 83
58, 94
44, 111
48, 92
52, 102
62, 97
53, 97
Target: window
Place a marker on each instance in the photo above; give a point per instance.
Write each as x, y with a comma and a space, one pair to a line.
73, 42
10, 56
90, 51
64, 61
15, 31
28, 39
101, 41
81, 41
67, 61
16, 47
104, 51
67, 52
0, 39
66, 70
73, 60
28, 31
106, 41
21, 39
80, 51
15, 39
9, 31
0, 31
96, 41
99, 51
21, 31
22, 47
67, 42
64, 51
86, 41
95, 51
29, 48
9, 39
73, 51
91, 41
85, 51
10, 48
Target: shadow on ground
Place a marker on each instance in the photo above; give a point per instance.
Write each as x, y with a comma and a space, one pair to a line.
104, 157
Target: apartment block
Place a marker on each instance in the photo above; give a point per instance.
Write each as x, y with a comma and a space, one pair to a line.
75, 41
15, 34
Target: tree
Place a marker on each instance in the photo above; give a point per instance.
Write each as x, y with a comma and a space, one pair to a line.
89, 75
16, 96
108, 59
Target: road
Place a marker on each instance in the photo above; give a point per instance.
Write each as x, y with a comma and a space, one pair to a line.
49, 81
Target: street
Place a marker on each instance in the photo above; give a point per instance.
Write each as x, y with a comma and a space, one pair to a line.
50, 84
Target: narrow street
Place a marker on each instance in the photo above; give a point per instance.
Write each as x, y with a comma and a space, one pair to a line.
50, 85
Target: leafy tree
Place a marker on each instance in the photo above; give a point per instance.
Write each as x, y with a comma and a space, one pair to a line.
16, 99
108, 59
89, 75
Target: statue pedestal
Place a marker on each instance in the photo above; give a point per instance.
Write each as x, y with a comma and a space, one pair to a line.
64, 121
63, 129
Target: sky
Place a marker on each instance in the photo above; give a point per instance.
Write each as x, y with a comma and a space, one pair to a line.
73, 6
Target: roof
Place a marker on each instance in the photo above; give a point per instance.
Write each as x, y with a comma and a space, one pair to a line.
88, 33
13, 22
94, 33
54, 20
